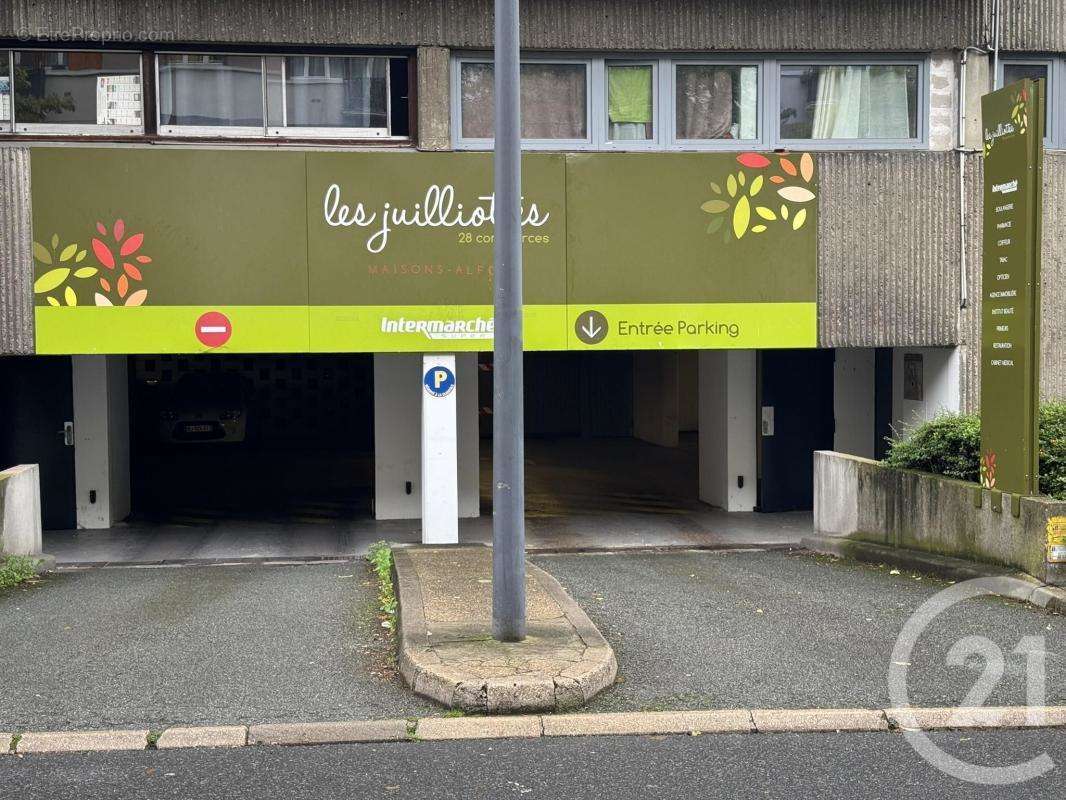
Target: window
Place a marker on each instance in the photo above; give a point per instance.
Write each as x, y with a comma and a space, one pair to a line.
72, 91
844, 102
691, 103
241, 95
715, 102
1051, 71
554, 101
630, 102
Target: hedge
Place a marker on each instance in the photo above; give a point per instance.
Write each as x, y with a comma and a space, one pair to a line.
950, 445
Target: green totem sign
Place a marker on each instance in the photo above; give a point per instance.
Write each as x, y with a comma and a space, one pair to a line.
1013, 125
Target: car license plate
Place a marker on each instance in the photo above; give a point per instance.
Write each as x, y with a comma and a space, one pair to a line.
198, 429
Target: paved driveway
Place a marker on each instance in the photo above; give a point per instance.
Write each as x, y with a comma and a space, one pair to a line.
201, 645
793, 630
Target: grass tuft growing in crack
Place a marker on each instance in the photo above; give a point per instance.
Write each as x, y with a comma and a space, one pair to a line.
15, 570
380, 558
153, 739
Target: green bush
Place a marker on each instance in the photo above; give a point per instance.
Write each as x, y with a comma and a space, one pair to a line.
380, 558
951, 445
16, 569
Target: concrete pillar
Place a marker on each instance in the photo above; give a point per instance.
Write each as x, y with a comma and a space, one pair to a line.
853, 401
925, 383
727, 429
433, 65
20, 510
101, 440
655, 396
398, 435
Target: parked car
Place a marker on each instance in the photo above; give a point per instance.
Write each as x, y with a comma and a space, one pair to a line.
205, 407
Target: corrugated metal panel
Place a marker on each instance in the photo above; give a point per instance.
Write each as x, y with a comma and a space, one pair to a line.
970, 318
563, 24
1053, 281
1033, 25
888, 261
16, 264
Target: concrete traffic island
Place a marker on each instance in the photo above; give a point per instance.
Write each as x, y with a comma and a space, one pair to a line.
446, 649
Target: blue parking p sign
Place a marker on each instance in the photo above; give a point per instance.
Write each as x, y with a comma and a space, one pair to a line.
439, 381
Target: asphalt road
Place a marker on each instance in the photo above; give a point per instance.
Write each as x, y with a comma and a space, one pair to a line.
197, 645
852, 766
791, 630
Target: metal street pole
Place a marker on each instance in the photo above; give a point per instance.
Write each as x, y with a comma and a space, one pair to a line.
508, 430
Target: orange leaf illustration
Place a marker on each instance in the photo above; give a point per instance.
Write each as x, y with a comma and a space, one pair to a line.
144, 260
788, 167
123, 285
807, 167
131, 270
105, 284
777, 179
137, 298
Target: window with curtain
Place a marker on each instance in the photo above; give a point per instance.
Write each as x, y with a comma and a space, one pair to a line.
76, 88
630, 102
554, 100
849, 101
716, 101
210, 90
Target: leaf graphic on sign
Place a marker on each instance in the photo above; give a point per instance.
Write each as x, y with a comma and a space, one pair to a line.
741, 217
51, 280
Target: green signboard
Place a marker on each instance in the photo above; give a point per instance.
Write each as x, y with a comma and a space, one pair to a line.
1013, 124
146, 250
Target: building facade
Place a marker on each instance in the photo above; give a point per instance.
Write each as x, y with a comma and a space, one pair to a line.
211, 127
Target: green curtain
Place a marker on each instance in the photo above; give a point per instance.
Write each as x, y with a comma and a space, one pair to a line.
629, 96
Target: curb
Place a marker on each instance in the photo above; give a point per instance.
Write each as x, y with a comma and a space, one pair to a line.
1052, 598
640, 723
422, 670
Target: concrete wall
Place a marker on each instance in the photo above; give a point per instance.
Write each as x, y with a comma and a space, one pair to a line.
861, 499
101, 440
20, 510
727, 425
853, 401
940, 385
560, 24
398, 440
16, 273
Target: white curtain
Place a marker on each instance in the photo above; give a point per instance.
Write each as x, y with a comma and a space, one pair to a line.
862, 102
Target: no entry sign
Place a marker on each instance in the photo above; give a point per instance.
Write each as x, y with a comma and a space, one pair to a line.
213, 329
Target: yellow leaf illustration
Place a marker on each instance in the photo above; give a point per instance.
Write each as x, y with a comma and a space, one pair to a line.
731, 185
765, 213
80, 257
40, 252
807, 167
70, 297
50, 280
784, 211
741, 178
741, 217
85, 272
55, 240
799, 219
715, 206
758, 228
756, 185
716, 188
68, 252
796, 194
52, 301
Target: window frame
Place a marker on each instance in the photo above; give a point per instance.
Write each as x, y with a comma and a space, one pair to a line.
1055, 134
664, 138
760, 142
28, 129
919, 142
266, 130
459, 142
